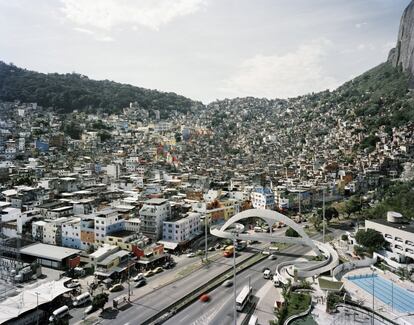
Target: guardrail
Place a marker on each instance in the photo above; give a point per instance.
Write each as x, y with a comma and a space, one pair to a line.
189, 298
293, 317
354, 306
353, 265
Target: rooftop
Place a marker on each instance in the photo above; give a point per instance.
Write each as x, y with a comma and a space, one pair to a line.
406, 226
50, 252
156, 201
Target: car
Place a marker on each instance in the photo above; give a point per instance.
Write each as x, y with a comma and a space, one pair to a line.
205, 298
191, 255
158, 270
138, 277
264, 269
149, 273
265, 252
272, 257
210, 249
141, 283
116, 287
217, 246
73, 284
88, 309
227, 283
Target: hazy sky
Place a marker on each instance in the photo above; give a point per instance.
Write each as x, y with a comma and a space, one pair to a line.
203, 49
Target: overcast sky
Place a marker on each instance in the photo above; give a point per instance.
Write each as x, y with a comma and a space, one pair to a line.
203, 49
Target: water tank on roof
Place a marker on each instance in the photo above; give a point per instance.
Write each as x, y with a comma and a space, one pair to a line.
394, 217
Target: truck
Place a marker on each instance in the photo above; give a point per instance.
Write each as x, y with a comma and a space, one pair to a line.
228, 251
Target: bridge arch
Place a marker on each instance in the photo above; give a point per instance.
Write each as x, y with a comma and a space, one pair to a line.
271, 217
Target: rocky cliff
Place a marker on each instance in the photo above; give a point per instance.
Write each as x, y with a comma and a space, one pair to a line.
403, 54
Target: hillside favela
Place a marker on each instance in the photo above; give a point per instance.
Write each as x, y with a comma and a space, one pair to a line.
251, 163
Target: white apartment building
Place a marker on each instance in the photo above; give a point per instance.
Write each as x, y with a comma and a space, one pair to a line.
71, 233
107, 221
153, 213
133, 224
262, 198
181, 230
52, 231
399, 234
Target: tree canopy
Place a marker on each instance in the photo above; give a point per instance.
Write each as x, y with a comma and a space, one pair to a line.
370, 239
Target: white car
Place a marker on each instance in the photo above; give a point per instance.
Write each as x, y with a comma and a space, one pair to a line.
138, 277
191, 255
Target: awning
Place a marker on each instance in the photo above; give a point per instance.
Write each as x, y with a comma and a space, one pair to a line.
168, 244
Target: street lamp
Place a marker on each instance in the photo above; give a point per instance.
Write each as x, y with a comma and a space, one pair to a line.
37, 307
323, 214
235, 231
205, 231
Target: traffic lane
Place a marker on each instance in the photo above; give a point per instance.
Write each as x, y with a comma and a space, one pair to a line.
145, 307
220, 308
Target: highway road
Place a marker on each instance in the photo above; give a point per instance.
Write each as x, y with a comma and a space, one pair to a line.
144, 307
219, 310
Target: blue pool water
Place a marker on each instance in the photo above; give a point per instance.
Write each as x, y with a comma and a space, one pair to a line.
386, 291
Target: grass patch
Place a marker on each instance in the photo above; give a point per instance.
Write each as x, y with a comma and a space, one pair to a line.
297, 303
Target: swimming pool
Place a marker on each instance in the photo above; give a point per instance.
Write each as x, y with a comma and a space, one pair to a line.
386, 291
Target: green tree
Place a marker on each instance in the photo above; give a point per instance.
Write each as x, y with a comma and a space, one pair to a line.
370, 239
316, 220
100, 300
290, 232
353, 205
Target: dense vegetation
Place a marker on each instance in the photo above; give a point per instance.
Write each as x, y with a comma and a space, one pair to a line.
396, 197
71, 91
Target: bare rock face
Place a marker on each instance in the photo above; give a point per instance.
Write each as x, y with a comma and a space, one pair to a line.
403, 54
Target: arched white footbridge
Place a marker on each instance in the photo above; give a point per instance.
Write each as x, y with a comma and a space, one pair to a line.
271, 217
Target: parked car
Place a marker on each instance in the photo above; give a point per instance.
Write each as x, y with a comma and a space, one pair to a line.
158, 270
149, 273
88, 310
116, 287
138, 277
73, 284
191, 255
141, 283
265, 252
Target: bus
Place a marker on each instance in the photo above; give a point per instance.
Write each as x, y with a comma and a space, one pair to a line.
228, 251
243, 298
59, 313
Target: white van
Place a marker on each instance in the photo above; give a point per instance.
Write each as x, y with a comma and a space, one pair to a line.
253, 320
59, 313
82, 299
266, 274
276, 281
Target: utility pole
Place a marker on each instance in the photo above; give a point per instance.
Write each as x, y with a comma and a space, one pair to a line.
323, 214
37, 308
373, 296
205, 230
299, 204
234, 279
129, 284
